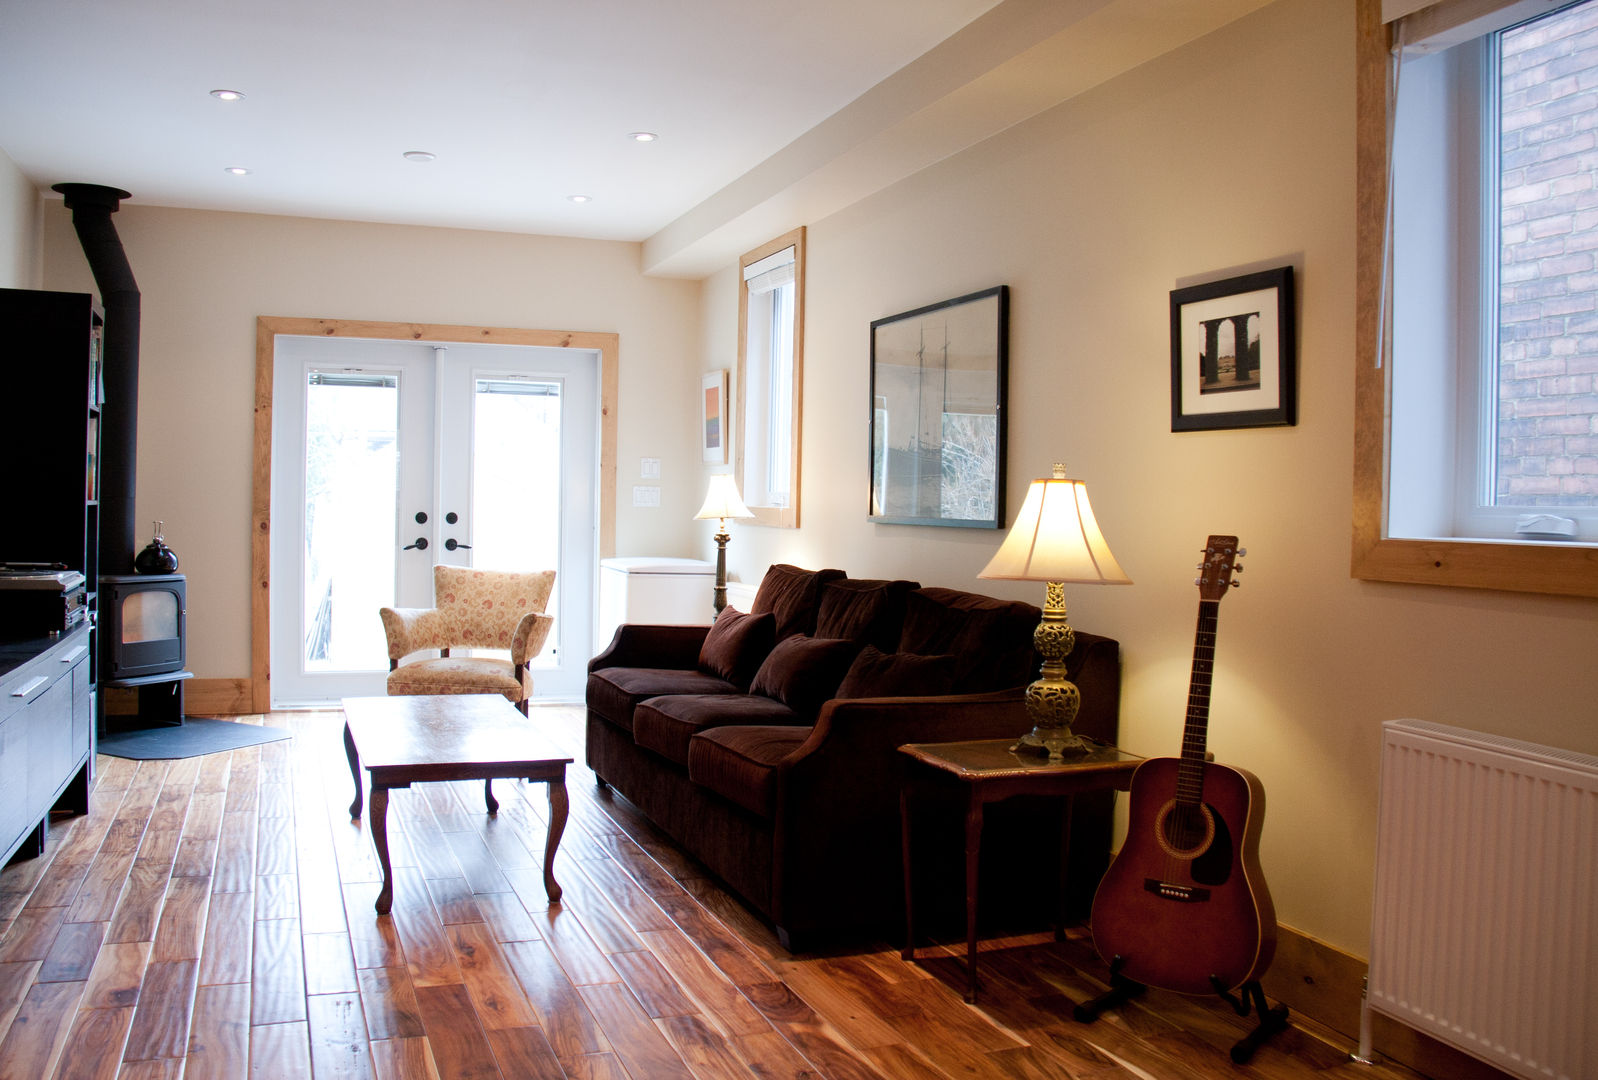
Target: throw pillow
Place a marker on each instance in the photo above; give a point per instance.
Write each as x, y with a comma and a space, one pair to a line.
804, 672
878, 674
792, 594
864, 610
736, 646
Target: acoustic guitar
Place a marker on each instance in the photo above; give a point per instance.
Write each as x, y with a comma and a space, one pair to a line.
1184, 906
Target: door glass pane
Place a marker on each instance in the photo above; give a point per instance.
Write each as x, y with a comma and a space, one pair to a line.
516, 475
351, 512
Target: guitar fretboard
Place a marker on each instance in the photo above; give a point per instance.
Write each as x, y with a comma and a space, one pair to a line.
1190, 774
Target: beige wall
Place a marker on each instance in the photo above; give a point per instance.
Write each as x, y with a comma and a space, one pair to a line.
1234, 153
205, 277
19, 228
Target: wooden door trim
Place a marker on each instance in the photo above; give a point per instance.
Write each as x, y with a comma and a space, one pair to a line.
267, 329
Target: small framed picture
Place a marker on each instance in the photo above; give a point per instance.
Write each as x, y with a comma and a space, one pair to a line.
1232, 353
713, 417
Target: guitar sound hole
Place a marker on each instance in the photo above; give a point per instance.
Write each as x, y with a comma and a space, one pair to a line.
1184, 831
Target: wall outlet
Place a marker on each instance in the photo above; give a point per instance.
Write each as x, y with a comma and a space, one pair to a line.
646, 495
649, 468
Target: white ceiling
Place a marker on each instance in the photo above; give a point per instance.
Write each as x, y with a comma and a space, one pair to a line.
769, 114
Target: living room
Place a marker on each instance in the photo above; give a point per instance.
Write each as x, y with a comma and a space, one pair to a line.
1229, 153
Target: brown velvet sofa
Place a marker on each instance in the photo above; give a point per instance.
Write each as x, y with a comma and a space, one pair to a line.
767, 744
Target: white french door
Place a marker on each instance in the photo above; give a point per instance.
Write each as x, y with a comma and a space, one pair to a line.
391, 456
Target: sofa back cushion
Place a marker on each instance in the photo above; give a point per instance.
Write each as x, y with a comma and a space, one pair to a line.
804, 672
875, 673
992, 638
736, 646
793, 596
863, 609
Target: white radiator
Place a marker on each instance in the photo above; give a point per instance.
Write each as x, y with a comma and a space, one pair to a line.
1484, 929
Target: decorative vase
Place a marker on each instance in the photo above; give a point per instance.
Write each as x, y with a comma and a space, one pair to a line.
156, 558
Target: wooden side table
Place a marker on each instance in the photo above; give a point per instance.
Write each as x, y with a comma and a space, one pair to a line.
992, 772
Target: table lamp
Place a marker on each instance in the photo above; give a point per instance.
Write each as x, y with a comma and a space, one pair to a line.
1056, 540
722, 502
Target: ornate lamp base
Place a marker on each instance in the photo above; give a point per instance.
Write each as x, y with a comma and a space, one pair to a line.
1052, 701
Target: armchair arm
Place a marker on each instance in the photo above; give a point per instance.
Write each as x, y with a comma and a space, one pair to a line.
649, 646
411, 630
528, 639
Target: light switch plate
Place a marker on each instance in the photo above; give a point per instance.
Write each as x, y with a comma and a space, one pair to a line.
646, 495
649, 468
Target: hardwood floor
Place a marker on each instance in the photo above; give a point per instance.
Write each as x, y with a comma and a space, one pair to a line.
212, 917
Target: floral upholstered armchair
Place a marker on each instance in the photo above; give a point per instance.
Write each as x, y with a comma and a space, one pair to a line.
475, 609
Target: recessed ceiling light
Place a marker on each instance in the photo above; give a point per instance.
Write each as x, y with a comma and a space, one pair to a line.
643, 136
580, 198
236, 170
419, 155
227, 95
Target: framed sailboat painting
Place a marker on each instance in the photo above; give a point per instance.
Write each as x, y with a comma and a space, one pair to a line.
937, 413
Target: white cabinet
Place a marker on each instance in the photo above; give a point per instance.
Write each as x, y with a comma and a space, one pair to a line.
653, 590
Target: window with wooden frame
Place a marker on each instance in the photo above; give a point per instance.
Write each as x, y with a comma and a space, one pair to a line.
1457, 477
771, 316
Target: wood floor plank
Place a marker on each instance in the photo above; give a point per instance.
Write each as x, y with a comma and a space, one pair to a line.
321, 895
460, 1047
629, 898
72, 954
32, 934
234, 869
93, 1050
490, 983
280, 1050
723, 1003
652, 985
219, 1037
643, 1050
166, 1005
229, 936
181, 931
277, 896
39, 1030
585, 963
703, 1049
15, 979
117, 974
453, 900
428, 953
390, 1003
506, 917
525, 1054
277, 983
339, 1048
329, 964
562, 1013
404, 1059
373, 938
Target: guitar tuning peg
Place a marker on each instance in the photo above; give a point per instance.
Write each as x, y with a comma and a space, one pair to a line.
1242, 552
1235, 584
1198, 581
1238, 567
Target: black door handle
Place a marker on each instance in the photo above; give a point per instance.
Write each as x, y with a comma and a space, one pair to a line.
451, 544
420, 545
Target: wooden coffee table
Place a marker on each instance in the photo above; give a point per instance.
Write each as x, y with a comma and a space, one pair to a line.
403, 740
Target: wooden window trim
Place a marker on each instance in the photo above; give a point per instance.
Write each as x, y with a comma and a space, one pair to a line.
783, 517
1561, 569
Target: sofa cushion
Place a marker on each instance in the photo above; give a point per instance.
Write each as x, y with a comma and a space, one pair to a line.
992, 638
802, 672
740, 762
864, 610
736, 646
614, 693
665, 724
875, 673
793, 595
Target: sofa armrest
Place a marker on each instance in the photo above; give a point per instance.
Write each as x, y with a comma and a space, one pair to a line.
643, 645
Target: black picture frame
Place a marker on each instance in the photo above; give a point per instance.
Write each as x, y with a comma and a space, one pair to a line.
1211, 390
939, 376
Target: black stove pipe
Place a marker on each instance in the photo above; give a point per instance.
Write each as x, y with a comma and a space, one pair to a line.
92, 206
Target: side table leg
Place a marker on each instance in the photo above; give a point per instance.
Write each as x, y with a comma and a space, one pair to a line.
379, 821
355, 771
558, 807
1064, 884
973, 860
909, 951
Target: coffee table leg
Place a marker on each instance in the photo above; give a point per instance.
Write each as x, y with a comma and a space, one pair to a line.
355, 770
488, 796
558, 807
379, 822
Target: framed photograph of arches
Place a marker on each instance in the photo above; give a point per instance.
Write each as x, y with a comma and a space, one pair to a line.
1233, 361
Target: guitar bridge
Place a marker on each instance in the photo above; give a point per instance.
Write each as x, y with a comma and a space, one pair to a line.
1182, 894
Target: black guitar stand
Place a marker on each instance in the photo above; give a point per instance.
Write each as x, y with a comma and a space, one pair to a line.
1252, 996
1271, 1020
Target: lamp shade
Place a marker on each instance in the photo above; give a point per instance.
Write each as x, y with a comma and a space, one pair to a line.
1056, 538
722, 500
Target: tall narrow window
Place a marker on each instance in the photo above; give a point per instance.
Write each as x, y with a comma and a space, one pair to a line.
771, 332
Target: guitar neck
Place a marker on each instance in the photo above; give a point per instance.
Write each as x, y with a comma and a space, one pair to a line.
1195, 733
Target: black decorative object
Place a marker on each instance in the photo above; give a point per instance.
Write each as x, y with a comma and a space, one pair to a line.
156, 558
